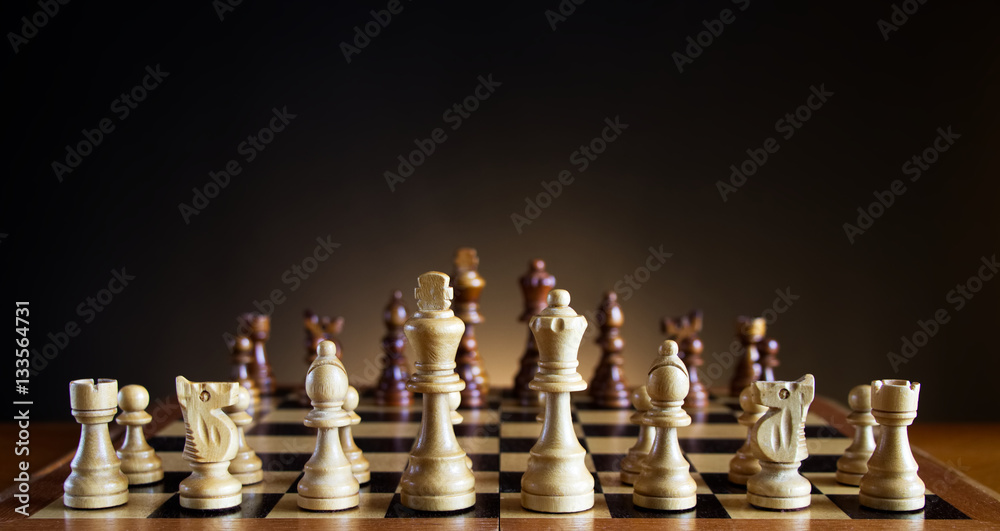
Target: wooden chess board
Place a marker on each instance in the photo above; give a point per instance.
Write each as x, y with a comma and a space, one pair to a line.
498, 439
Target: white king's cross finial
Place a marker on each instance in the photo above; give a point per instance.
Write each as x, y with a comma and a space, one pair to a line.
433, 292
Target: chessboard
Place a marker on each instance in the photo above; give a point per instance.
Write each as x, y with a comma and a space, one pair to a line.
498, 439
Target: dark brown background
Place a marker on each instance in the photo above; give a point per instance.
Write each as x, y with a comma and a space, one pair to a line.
654, 186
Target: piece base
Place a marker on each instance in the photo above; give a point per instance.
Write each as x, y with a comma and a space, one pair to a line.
144, 478
557, 504
664, 504
363, 477
847, 478
103, 501
209, 504
455, 502
783, 504
328, 504
892, 504
738, 479
629, 478
250, 478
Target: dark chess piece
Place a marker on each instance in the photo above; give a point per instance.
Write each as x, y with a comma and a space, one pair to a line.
391, 387
768, 358
535, 285
468, 285
684, 330
608, 387
242, 363
750, 332
259, 326
317, 330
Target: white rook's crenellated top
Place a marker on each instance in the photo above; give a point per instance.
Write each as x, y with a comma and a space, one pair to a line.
891, 483
96, 480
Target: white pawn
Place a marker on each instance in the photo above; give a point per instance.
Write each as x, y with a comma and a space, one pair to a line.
631, 466
454, 401
96, 480
557, 479
853, 465
359, 463
665, 482
891, 483
246, 466
328, 484
139, 461
744, 465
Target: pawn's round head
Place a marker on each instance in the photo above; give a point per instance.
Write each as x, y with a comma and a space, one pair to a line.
668, 348
668, 378
559, 298
327, 349
860, 398
133, 398
352, 399
243, 400
326, 382
536, 265
640, 399
243, 344
454, 400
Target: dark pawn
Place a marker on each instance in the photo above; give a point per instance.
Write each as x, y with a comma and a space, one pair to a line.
317, 330
259, 326
684, 331
391, 387
242, 363
750, 332
468, 285
535, 285
608, 387
768, 358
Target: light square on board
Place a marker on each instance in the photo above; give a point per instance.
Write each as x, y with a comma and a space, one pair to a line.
821, 508
708, 463
370, 506
138, 506
510, 507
